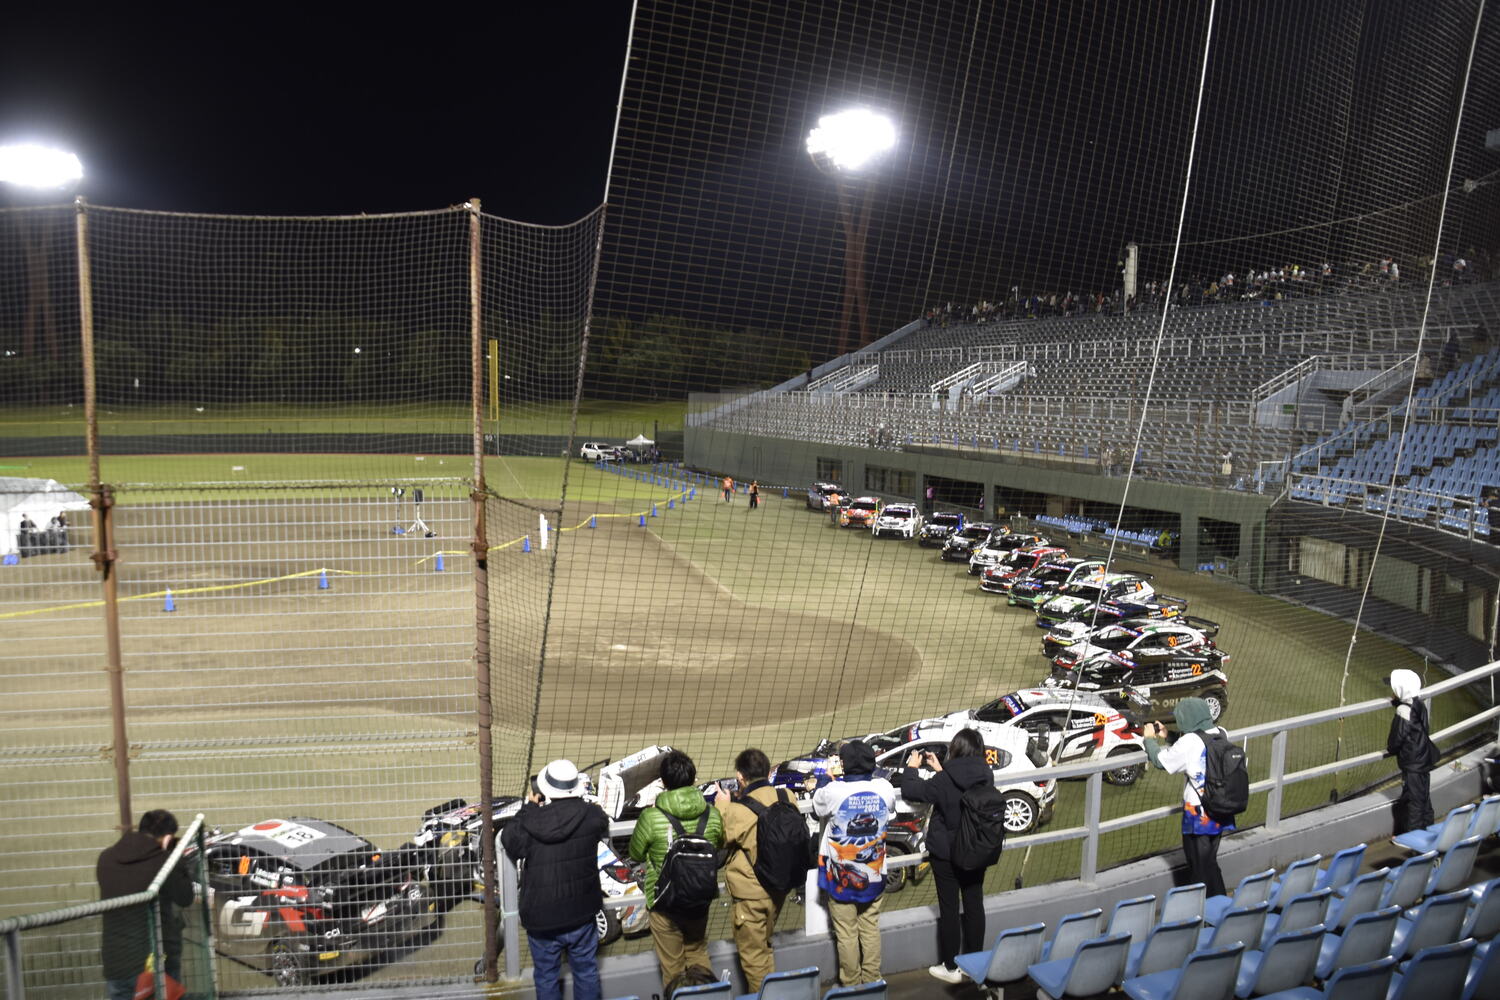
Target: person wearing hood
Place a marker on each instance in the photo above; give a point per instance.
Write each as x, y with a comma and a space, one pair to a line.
681, 939
1409, 743
1200, 831
960, 891
856, 808
129, 866
557, 834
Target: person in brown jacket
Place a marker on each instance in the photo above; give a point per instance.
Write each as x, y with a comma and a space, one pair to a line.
755, 908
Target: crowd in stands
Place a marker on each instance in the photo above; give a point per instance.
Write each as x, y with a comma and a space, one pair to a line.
1266, 284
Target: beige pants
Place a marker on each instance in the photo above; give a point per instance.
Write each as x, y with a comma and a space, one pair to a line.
679, 943
754, 923
856, 934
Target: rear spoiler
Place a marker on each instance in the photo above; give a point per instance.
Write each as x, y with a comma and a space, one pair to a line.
1208, 628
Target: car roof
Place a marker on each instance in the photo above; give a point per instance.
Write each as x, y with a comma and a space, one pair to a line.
899, 506
300, 841
1048, 697
863, 499
943, 728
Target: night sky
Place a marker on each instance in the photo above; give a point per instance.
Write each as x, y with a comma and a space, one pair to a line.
299, 112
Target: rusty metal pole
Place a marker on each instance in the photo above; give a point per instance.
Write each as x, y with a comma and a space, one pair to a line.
482, 602
101, 503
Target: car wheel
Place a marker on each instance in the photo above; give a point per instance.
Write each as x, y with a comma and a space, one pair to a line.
285, 967
895, 880
1127, 775
1020, 812
607, 924
1218, 703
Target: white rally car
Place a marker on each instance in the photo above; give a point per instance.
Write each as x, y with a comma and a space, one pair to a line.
900, 519
1028, 804
1072, 726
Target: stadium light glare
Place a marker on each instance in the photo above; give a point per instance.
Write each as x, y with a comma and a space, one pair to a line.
42, 167
850, 140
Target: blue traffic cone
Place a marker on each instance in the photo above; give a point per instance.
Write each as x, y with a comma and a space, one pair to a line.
437, 567
692, 493
323, 580
526, 544
170, 604
593, 521
653, 510
643, 521
670, 503
783, 493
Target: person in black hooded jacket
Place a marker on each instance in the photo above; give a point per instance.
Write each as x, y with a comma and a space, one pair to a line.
960, 891
557, 835
1409, 743
124, 868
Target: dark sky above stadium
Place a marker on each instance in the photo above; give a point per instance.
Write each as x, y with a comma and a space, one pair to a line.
301, 112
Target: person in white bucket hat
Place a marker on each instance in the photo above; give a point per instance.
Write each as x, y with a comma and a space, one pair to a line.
1414, 752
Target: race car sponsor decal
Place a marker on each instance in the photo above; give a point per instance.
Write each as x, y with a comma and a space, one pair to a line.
287, 834
1013, 703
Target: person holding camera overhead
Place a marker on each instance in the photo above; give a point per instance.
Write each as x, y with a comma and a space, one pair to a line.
557, 835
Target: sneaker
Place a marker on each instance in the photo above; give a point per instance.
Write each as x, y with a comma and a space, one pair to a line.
944, 973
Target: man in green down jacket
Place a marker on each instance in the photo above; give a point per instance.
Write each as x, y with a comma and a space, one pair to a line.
681, 939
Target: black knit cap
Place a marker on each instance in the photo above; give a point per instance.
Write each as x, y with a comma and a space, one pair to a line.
858, 758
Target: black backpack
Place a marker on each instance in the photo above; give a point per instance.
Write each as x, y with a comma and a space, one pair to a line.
981, 827
1226, 779
689, 876
784, 849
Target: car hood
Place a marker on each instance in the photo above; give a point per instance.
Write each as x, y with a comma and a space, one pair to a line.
1066, 604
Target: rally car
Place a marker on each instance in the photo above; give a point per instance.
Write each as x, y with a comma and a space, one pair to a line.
1071, 726
1045, 581
1152, 670
999, 578
821, 496
1113, 598
1072, 643
999, 545
303, 899
861, 513
961, 543
939, 527
1027, 804
900, 519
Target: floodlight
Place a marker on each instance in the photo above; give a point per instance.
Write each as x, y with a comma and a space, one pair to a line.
33, 166
849, 140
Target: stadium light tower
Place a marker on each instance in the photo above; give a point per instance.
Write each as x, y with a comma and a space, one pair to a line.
846, 146
31, 174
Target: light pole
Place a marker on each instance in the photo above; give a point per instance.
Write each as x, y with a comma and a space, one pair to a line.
30, 174
845, 145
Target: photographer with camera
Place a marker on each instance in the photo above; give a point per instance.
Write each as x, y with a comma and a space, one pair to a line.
1188, 757
557, 835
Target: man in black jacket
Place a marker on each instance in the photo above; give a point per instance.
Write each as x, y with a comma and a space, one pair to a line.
557, 835
960, 891
1415, 755
128, 866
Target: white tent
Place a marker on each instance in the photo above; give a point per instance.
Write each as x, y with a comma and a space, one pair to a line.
39, 499
640, 441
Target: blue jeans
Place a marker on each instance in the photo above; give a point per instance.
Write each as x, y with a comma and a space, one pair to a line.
581, 946
120, 989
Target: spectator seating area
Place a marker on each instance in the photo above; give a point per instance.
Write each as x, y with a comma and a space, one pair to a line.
1086, 388
1156, 540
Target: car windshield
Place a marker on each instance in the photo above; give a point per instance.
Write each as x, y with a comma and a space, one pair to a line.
1114, 637
863, 505
1087, 591
828, 488
887, 741
972, 531
1050, 574
899, 513
945, 520
1015, 559
1002, 709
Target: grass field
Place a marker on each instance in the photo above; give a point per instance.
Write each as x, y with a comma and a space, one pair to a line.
711, 628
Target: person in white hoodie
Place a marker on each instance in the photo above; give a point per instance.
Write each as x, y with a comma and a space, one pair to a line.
1414, 752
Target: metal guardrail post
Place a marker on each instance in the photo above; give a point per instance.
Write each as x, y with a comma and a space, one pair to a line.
1278, 770
205, 900
510, 906
158, 951
15, 982
1088, 868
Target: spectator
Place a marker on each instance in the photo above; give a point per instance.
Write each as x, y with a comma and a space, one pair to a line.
1449, 355
728, 488
26, 540
1415, 754
960, 891
1226, 469
754, 493
557, 835
681, 939
1200, 831
756, 908
929, 496
856, 809
129, 866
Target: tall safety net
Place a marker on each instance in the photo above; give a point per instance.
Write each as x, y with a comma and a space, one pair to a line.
922, 354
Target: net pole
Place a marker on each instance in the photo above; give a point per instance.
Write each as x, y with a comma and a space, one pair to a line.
482, 598
101, 506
